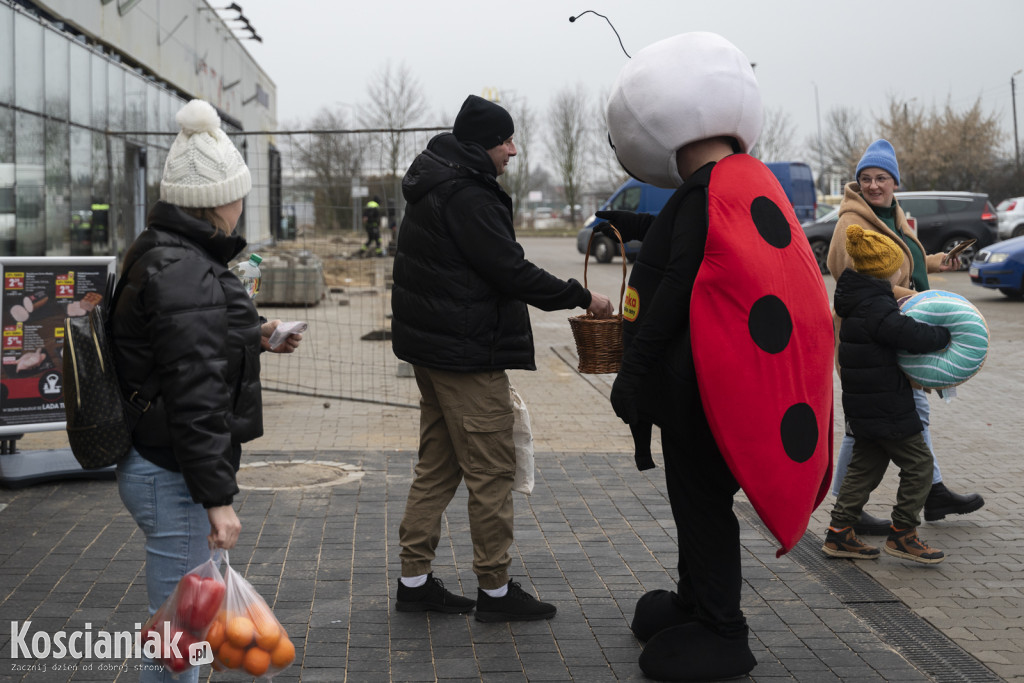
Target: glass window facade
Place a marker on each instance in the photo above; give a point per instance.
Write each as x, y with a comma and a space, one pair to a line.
83, 138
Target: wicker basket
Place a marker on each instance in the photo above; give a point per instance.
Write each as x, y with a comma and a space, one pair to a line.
599, 340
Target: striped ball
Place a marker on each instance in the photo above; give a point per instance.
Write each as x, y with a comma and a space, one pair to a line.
968, 347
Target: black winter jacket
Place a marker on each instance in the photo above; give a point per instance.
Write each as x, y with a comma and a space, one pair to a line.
461, 281
878, 399
183, 315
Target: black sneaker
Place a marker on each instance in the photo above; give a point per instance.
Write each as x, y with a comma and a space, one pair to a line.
431, 597
516, 605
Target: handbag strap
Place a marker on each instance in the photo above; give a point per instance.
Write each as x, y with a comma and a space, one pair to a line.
140, 400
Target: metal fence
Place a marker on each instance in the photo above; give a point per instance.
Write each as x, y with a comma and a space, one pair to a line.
315, 269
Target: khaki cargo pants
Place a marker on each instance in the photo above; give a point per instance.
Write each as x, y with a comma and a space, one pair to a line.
465, 434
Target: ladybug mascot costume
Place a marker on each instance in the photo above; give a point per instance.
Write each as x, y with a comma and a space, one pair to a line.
728, 341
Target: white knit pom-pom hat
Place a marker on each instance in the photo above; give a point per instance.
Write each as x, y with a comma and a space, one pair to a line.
203, 167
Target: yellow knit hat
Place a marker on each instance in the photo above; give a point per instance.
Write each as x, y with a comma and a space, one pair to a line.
872, 252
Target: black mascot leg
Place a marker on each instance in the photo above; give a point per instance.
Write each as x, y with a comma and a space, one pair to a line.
693, 652
713, 645
657, 611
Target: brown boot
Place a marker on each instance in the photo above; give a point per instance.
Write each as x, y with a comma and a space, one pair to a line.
844, 543
904, 543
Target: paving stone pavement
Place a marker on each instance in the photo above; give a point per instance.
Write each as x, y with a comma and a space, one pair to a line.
594, 536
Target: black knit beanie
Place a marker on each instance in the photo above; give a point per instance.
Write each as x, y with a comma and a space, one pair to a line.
483, 122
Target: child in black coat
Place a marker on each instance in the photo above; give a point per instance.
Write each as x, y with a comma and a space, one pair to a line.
878, 400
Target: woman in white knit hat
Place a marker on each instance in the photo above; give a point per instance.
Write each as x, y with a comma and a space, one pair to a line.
184, 318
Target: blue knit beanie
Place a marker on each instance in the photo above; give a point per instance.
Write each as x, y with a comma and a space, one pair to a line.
880, 154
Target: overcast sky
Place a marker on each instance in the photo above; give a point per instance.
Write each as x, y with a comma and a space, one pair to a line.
323, 53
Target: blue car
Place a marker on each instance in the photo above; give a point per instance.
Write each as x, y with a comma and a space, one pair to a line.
1001, 266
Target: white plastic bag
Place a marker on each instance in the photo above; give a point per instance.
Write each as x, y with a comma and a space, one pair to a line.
522, 436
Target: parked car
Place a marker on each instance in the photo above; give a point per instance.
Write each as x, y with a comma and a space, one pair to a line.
1011, 218
819, 234
820, 212
1001, 266
632, 195
798, 183
568, 211
944, 219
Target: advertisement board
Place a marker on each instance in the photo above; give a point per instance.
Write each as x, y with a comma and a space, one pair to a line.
38, 294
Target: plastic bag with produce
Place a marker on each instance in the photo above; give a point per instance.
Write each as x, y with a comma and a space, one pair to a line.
247, 636
174, 635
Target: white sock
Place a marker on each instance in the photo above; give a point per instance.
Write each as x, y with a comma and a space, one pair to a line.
414, 581
496, 592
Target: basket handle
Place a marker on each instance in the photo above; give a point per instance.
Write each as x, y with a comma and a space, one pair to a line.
622, 251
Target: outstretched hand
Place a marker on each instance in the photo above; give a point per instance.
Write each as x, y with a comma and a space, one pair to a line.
631, 225
600, 306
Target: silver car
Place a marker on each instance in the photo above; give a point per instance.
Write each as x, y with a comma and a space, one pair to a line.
1011, 217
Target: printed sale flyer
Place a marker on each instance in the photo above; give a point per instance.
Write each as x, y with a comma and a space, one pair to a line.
38, 294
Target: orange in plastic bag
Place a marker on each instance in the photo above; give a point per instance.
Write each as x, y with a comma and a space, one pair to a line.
246, 635
174, 635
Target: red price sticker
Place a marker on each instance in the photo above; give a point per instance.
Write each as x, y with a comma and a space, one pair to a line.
14, 281
12, 340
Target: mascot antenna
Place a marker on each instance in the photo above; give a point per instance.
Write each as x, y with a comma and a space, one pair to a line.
590, 11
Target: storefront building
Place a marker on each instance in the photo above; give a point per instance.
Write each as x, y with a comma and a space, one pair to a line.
88, 94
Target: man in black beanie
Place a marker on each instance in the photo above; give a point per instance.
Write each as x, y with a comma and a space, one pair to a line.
461, 288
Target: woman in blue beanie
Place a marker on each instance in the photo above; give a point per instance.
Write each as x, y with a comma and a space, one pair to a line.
870, 201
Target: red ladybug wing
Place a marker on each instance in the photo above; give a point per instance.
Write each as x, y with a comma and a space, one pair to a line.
761, 328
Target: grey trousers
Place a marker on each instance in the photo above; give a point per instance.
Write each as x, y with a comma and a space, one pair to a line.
465, 435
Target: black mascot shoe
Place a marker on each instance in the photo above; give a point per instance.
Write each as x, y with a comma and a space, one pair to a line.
656, 611
941, 502
692, 652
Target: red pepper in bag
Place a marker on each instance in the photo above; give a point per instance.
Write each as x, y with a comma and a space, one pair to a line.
175, 633
208, 601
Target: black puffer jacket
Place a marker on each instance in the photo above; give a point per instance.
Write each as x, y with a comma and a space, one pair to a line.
185, 316
461, 281
878, 400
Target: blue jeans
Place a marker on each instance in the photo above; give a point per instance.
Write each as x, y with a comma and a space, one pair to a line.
924, 412
175, 528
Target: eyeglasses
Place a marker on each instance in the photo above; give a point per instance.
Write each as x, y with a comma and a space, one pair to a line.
879, 180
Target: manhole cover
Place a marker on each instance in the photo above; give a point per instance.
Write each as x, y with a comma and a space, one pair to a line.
275, 475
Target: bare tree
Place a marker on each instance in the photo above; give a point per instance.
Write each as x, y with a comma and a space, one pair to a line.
776, 140
943, 149
516, 179
331, 160
569, 143
607, 172
397, 102
842, 146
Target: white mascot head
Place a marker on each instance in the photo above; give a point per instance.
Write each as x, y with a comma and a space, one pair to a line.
679, 90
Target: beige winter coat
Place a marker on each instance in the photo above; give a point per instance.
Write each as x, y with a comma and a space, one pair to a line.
855, 209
